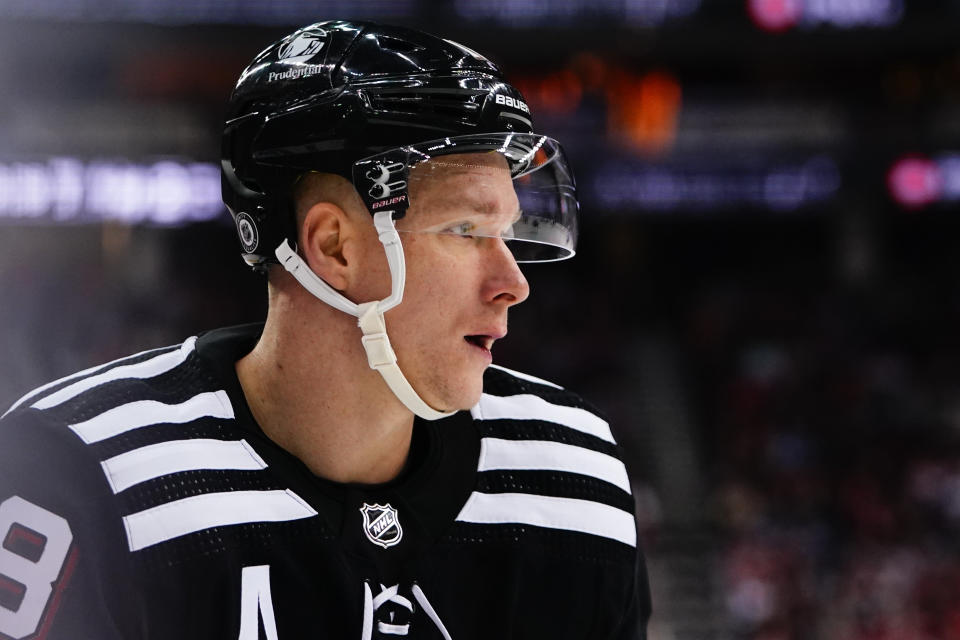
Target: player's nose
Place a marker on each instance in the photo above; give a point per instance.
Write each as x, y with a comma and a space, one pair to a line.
504, 281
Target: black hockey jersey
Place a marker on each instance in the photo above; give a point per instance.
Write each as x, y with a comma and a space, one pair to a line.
140, 500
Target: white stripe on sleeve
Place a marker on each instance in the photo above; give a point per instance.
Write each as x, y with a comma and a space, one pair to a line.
571, 514
146, 369
156, 460
133, 415
530, 407
536, 455
78, 374
196, 513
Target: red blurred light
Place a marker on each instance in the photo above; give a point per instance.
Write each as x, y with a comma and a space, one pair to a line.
775, 15
915, 181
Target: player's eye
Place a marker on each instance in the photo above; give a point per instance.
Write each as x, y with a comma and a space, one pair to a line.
466, 229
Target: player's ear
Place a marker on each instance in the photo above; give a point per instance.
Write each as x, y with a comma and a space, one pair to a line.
328, 242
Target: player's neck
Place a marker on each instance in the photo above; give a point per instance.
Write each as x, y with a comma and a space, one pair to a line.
313, 394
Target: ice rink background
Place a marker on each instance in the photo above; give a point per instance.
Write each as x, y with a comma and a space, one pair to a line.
765, 300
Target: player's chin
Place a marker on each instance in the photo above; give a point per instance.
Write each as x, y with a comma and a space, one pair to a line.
472, 396
462, 390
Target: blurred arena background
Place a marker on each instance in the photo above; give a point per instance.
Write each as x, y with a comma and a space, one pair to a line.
765, 302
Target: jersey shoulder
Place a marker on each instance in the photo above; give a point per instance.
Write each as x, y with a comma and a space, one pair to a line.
44, 435
150, 475
62, 520
56, 439
127, 425
73, 397
509, 394
548, 466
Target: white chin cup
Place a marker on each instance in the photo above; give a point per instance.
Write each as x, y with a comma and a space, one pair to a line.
376, 343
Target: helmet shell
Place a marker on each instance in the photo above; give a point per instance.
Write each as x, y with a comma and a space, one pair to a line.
332, 93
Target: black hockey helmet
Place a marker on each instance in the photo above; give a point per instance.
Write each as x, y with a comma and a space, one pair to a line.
367, 101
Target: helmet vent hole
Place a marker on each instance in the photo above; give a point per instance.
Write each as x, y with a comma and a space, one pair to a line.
450, 105
400, 46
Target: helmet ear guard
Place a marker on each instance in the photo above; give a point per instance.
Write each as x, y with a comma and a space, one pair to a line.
249, 215
260, 204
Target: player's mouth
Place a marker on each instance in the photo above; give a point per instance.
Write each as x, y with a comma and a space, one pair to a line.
481, 342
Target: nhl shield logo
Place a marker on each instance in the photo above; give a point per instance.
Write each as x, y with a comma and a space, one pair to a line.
381, 524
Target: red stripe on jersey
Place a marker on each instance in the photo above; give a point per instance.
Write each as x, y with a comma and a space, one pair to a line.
57, 595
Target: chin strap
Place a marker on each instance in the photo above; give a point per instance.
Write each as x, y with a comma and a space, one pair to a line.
376, 343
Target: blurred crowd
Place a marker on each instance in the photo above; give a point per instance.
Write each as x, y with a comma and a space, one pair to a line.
831, 422
74, 297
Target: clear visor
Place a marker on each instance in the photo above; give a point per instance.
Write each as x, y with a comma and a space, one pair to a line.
515, 187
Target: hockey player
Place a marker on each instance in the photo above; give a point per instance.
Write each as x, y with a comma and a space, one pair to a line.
354, 467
